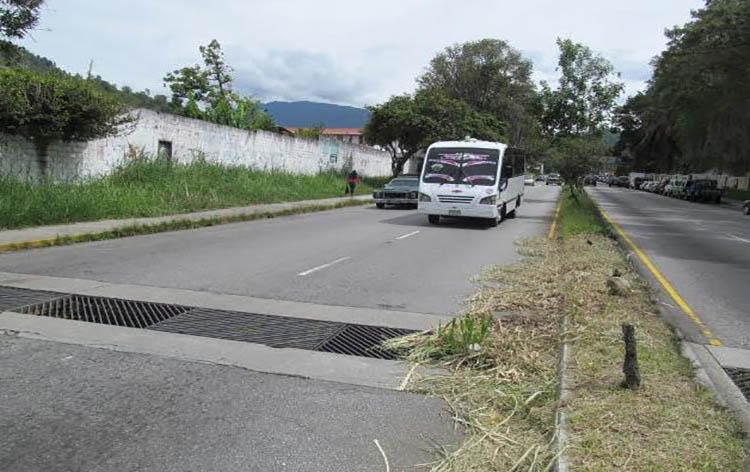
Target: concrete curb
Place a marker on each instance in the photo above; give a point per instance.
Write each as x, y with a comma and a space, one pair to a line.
562, 431
707, 369
59, 235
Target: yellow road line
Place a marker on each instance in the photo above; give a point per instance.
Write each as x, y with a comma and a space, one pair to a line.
662, 280
552, 228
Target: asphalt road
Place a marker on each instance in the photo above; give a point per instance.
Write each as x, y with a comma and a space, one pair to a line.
66, 407
74, 408
702, 249
362, 257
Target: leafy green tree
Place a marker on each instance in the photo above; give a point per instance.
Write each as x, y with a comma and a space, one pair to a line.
18, 17
491, 77
695, 114
218, 73
586, 94
46, 108
205, 92
574, 157
314, 132
406, 124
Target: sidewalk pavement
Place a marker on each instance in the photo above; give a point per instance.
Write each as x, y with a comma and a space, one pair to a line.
49, 233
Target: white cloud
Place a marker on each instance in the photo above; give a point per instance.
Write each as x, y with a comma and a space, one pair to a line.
351, 52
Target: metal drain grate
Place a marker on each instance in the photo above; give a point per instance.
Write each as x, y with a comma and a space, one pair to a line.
365, 341
11, 297
274, 331
109, 311
741, 378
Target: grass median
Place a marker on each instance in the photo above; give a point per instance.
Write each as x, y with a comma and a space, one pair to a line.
500, 361
147, 187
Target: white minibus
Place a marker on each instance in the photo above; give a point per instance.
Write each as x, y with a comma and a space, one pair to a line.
475, 179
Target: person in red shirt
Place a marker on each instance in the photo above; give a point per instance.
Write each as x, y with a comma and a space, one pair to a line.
351, 182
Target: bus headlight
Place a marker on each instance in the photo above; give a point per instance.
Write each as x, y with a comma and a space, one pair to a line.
424, 198
489, 200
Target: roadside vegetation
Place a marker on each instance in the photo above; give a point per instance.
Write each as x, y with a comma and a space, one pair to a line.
154, 187
500, 360
741, 195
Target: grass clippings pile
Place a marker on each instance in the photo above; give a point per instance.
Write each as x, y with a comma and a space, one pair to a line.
501, 367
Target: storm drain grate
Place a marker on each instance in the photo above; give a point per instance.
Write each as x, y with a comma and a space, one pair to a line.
273, 331
365, 341
741, 378
11, 297
109, 311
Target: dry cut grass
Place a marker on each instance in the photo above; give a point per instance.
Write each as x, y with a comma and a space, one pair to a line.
502, 386
670, 423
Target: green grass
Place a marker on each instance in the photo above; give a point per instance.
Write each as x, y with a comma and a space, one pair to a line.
144, 188
578, 214
738, 194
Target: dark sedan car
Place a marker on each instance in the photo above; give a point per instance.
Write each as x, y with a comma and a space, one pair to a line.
402, 190
702, 190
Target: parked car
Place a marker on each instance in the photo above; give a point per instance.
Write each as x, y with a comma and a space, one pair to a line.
622, 181
660, 186
702, 190
638, 182
589, 180
540, 178
675, 188
554, 179
403, 190
746, 207
529, 180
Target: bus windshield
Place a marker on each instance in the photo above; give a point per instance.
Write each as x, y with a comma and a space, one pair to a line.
461, 166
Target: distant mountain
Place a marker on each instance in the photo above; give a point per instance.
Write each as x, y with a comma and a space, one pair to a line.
309, 114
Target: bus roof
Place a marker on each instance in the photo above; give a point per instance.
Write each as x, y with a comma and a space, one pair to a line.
470, 144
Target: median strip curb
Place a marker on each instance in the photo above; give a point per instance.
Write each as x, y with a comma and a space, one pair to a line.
178, 222
562, 428
707, 369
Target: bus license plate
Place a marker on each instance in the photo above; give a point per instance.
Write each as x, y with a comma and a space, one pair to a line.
454, 212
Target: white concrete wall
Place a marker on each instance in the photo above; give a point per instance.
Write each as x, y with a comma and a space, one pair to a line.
193, 139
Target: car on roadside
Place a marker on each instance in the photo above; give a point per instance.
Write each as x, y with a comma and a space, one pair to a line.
529, 181
675, 188
622, 181
702, 190
401, 191
746, 207
638, 182
554, 179
590, 180
659, 187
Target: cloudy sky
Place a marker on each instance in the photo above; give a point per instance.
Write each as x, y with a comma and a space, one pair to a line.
350, 52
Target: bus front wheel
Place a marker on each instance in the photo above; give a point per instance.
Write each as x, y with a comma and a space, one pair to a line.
433, 219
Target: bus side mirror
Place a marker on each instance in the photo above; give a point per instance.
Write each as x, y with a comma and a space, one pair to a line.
503, 184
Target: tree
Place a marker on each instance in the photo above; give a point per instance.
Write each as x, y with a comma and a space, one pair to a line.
205, 92
218, 73
586, 95
695, 114
315, 132
406, 124
574, 157
46, 108
491, 77
18, 17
